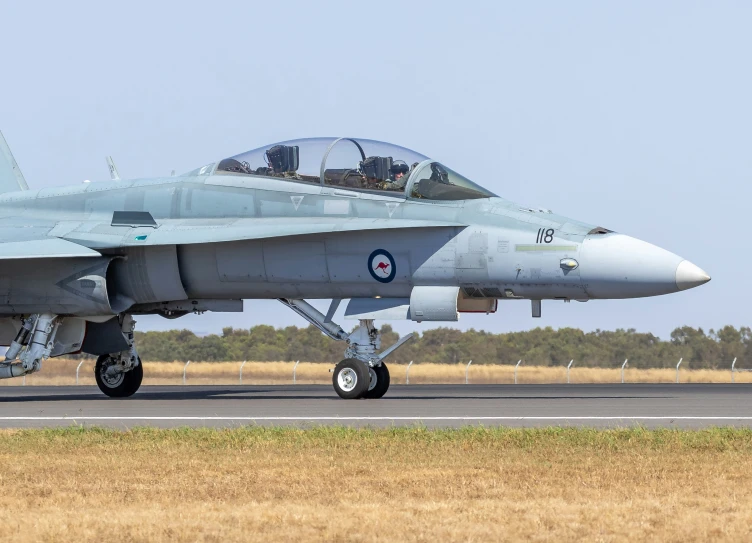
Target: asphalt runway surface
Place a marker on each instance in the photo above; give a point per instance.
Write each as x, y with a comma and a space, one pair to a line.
649, 405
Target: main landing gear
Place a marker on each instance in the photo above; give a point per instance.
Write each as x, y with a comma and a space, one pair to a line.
33, 343
119, 375
363, 373
42, 335
115, 382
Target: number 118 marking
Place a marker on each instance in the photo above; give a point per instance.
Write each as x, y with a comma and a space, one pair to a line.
545, 236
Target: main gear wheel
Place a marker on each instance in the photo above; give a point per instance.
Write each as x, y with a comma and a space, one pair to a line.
115, 382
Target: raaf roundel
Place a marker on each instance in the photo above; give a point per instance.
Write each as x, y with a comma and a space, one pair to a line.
382, 266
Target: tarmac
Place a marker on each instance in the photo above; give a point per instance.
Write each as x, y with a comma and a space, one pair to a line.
598, 406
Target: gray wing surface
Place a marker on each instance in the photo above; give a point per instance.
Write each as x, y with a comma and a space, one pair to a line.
44, 248
11, 178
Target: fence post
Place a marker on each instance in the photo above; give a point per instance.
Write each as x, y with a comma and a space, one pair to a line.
241, 371
467, 369
569, 366
185, 368
407, 373
733, 370
24, 381
294, 370
622, 370
677, 369
515, 370
78, 368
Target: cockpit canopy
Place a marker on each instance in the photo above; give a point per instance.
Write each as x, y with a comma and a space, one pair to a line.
354, 164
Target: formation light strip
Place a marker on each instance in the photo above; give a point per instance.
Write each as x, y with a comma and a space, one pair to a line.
544, 248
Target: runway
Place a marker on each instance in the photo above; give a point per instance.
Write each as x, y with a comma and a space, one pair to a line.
650, 405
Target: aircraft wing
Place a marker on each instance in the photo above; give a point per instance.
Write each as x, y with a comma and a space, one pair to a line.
43, 248
97, 235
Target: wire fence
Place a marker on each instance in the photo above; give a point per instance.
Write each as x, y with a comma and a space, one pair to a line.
521, 372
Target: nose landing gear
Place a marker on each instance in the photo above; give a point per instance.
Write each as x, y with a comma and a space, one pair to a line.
363, 374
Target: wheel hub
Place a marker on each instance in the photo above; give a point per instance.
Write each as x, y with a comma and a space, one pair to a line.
111, 374
347, 379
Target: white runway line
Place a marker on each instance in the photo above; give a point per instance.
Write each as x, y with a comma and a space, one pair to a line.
396, 418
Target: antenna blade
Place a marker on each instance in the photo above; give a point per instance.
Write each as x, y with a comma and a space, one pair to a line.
11, 178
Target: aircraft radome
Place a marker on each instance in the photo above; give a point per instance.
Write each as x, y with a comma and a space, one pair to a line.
399, 235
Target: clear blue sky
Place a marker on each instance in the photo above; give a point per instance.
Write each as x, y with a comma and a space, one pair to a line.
634, 116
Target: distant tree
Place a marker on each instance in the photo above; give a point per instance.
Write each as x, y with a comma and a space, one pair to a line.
540, 346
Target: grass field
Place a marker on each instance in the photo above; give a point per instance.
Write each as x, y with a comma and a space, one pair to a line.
63, 372
339, 484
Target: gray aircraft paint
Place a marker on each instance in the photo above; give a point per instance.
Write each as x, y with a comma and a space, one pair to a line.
321, 266
229, 236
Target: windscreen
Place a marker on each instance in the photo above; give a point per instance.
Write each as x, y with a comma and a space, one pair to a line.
434, 181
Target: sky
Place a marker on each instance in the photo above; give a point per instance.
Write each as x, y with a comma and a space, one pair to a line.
634, 116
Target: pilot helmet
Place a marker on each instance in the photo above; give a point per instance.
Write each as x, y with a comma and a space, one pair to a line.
399, 166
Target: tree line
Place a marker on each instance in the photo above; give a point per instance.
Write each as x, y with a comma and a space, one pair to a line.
541, 346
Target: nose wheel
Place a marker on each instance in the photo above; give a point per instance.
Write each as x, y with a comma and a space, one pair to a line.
351, 379
378, 383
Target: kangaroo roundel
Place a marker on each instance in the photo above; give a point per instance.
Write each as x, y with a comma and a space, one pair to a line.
381, 265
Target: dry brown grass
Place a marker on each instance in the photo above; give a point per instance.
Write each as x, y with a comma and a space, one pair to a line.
363, 485
63, 372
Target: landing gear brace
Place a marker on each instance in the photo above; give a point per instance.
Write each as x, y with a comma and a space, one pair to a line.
363, 373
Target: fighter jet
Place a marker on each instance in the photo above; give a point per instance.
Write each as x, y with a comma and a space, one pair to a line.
397, 234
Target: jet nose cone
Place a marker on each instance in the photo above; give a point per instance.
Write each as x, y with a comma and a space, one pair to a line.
619, 266
690, 276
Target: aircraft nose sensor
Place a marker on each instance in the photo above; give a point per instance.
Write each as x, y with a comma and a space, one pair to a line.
690, 276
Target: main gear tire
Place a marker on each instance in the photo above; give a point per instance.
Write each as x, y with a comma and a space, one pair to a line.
350, 379
378, 383
121, 384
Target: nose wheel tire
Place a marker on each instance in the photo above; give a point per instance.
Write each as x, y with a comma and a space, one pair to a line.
117, 384
378, 383
350, 379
